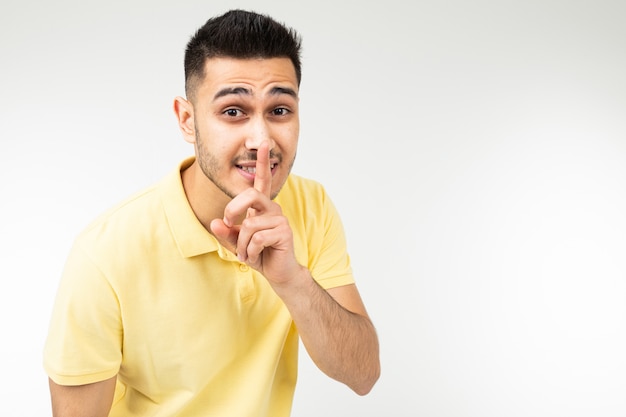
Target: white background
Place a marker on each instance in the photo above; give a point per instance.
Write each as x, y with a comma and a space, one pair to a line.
476, 151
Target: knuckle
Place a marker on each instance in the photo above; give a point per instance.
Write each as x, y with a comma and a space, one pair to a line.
257, 239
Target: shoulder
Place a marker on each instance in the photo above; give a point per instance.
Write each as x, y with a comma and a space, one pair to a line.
130, 212
139, 218
306, 203
142, 210
300, 190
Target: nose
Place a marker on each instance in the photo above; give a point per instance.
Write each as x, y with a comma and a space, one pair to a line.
259, 131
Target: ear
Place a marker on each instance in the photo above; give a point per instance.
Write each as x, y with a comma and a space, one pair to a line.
183, 110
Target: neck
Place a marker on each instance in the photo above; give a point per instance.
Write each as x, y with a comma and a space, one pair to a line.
206, 200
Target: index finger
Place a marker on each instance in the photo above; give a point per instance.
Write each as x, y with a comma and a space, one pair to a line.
263, 173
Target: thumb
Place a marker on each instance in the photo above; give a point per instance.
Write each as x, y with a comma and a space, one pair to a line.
227, 236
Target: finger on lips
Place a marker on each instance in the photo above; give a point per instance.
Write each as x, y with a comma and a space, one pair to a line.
248, 202
263, 176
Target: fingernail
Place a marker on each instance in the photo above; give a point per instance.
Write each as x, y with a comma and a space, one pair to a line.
227, 222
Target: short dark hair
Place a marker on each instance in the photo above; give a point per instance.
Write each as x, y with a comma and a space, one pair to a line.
239, 34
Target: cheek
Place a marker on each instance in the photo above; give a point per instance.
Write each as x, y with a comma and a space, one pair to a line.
296, 128
219, 140
290, 138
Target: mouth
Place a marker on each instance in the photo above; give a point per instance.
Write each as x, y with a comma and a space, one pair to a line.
252, 169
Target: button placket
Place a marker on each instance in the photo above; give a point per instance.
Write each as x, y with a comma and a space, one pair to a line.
247, 291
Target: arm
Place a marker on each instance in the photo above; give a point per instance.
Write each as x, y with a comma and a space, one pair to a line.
336, 331
91, 400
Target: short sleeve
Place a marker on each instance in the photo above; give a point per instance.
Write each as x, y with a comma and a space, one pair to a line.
84, 343
319, 237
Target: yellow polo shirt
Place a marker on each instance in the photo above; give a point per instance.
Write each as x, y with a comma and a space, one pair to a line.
149, 295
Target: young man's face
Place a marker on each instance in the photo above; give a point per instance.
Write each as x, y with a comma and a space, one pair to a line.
239, 105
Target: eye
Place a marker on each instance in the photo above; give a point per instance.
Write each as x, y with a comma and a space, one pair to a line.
280, 111
233, 112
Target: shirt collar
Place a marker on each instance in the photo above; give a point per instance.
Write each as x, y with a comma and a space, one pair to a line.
191, 237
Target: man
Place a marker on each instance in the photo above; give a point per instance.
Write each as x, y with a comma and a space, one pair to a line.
188, 299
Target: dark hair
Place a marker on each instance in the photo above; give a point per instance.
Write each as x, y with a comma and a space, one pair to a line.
239, 34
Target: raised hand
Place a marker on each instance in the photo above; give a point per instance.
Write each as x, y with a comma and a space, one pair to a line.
264, 239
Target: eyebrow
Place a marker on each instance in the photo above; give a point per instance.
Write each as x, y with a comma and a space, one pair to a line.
241, 91
283, 90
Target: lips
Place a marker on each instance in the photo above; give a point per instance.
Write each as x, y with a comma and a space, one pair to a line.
252, 169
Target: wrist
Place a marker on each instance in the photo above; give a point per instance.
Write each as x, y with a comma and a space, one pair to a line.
298, 285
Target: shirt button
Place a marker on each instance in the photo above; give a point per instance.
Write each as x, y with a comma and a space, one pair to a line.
243, 268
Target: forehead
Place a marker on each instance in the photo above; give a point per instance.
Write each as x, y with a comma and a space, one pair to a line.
256, 75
